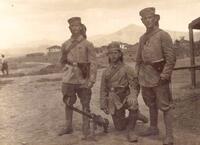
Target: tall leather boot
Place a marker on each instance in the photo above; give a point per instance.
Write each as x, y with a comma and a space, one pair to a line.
86, 123
68, 115
153, 129
119, 120
168, 120
132, 118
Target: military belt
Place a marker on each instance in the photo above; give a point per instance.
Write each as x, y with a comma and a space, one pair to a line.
114, 89
158, 66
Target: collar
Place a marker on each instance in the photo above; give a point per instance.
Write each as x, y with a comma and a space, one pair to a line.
116, 65
78, 39
154, 29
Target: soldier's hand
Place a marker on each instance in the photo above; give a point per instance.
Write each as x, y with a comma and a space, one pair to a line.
90, 84
163, 81
131, 101
105, 110
164, 77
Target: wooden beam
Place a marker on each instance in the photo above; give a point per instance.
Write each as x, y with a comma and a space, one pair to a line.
187, 67
192, 57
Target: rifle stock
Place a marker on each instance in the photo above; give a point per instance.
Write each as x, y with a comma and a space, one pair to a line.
97, 119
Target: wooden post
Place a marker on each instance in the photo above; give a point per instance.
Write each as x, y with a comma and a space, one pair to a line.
192, 58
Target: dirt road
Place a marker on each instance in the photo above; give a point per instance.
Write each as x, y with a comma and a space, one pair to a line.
32, 113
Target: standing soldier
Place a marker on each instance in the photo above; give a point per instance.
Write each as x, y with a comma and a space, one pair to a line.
79, 65
154, 63
119, 91
4, 63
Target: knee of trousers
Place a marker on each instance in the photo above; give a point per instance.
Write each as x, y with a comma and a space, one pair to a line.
164, 107
71, 101
164, 104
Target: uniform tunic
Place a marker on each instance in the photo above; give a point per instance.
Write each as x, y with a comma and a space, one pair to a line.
83, 52
157, 48
126, 84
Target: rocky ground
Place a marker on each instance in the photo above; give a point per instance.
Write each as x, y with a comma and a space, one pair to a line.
32, 113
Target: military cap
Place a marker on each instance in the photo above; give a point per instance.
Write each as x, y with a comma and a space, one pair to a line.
74, 20
147, 11
114, 46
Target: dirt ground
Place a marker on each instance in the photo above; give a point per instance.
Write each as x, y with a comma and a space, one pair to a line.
32, 113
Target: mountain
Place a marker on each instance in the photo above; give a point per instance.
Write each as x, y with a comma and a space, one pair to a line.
131, 35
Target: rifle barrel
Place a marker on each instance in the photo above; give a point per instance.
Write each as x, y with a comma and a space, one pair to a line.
80, 111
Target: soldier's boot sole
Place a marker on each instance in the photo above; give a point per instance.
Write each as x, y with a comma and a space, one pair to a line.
65, 131
168, 140
89, 138
168, 143
132, 137
150, 132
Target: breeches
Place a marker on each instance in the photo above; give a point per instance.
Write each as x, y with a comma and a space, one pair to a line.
159, 96
119, 119
73, 90
70, 93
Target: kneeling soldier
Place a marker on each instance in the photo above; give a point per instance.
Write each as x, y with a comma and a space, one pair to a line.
119, 91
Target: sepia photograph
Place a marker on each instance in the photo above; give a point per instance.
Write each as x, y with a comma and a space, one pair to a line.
99, 72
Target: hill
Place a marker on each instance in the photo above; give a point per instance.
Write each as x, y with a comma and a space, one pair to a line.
131, 35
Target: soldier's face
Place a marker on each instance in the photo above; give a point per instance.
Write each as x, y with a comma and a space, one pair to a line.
114, 56
149, 21
75, 28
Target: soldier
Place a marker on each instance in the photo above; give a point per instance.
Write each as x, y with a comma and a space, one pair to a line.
154, 64
119, 91
4, 63
79, 65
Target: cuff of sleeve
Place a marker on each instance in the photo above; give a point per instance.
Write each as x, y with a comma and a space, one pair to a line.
164, 76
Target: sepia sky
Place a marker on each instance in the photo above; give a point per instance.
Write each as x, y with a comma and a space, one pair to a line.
25, 21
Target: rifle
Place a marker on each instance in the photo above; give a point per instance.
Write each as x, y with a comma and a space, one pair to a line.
97, 120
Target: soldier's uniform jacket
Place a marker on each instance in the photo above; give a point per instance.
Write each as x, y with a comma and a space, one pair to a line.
117, 86
153, 48
76, 51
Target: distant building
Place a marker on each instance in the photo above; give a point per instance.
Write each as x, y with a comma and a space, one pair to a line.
54, 48
37, 54
182, 48
53, 54
130, 51
37, 57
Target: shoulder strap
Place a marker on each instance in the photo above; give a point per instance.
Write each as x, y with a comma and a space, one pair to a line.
147, 36
66, 52
73, 45
113, 72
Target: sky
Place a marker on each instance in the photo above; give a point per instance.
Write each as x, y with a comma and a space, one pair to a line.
26, 22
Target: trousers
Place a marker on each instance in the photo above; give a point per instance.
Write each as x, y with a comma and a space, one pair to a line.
70, 93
